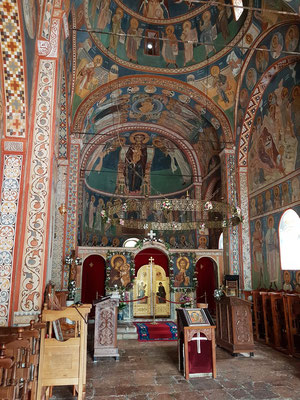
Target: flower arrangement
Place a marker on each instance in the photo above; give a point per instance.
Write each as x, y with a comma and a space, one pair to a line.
236, 216
166, 205
105, 217
208, 206
186, 301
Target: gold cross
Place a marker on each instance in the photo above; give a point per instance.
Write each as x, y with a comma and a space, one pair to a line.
151, 259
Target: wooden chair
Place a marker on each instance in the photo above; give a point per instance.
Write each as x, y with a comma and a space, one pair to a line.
7, 376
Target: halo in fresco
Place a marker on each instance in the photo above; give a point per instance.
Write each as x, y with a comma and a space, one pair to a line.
163, 35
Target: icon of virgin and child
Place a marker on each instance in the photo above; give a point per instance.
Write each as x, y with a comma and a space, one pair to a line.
120, 271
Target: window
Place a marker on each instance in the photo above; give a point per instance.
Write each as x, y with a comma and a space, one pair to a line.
289, 240
221, 242
130, 242
238, 11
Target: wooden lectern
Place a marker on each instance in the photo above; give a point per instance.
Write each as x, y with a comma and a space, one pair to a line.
63, 362
105, 338
234, 325
196, 343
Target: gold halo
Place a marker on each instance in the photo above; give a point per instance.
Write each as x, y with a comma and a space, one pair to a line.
134, 23
133, 135
112, 261
187, 24
170, 28
98, 57
186, 260
215, 70
157, 142
206, 14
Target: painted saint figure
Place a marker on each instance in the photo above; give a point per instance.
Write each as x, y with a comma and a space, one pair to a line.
135, 161
257, 242
181, 278
207, 34
116, 30
134, 37
189, 37
170, 47
272, 246
161, 293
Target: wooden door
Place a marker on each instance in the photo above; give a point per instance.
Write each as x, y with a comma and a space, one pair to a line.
207, 282
93, 279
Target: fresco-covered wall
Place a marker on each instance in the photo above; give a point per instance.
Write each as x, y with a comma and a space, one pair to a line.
30, 17
265, 252
274, 164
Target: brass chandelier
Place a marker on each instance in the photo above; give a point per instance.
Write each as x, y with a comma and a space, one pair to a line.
171, 214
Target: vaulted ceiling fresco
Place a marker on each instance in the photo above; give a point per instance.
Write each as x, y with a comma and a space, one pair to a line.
155, 84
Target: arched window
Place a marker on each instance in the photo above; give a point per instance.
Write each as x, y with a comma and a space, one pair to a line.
221, 242
289, 240
130, 242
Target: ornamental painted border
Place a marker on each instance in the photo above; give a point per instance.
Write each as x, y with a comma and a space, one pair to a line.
162, 82
34, 255
10, 193
13, 68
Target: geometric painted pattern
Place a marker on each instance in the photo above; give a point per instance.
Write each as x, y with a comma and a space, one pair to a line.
8, 215
47, 20
231, 198
245, 228
34, 257
71, 229
13, 68
62, 145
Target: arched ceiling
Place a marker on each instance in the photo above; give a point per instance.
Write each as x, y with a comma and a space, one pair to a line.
163, 36
168, 69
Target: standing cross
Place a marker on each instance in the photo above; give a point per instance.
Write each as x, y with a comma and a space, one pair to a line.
151, 259
151, 235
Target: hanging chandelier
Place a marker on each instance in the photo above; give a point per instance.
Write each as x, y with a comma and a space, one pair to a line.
171, 214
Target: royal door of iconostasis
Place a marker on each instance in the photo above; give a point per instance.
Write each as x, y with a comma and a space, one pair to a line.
145, 286
152, 286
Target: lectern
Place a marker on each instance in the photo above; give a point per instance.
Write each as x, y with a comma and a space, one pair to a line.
196, 342
105, 338
234, 325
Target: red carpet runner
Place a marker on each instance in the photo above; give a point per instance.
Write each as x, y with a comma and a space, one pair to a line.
158, 331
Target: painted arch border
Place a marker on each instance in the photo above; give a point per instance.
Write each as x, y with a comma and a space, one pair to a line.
162, 82
112, 131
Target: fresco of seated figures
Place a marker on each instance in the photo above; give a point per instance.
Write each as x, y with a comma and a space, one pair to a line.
163, 35
274, 149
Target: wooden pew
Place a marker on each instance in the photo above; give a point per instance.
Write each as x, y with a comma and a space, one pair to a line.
292, 315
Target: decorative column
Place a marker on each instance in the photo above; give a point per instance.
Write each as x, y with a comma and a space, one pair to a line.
13, 124
231, 239
72, 205
245, 228
34, 240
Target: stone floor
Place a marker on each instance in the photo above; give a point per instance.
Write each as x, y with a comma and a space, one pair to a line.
148, 371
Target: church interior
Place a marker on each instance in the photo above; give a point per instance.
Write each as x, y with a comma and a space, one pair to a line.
150, 181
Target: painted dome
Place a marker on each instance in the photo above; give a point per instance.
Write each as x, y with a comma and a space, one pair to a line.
163, 36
